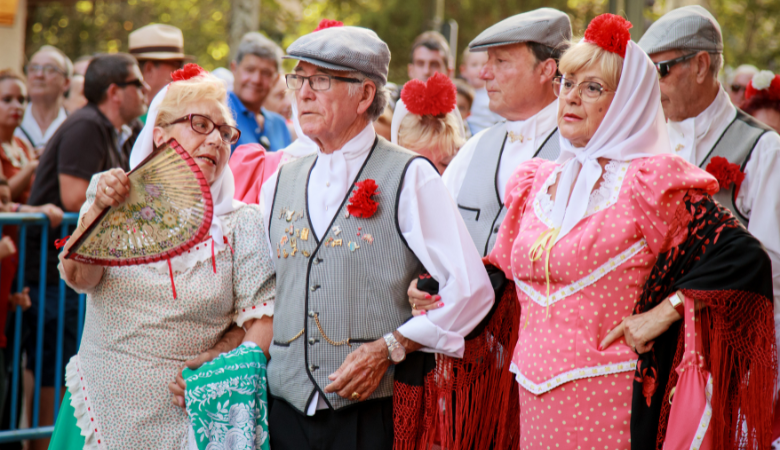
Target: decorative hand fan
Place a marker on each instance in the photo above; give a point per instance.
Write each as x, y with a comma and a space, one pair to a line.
168, 211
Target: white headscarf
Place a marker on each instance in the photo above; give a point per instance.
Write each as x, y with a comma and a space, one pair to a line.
222, 188
303, 145
634, 127
400, 112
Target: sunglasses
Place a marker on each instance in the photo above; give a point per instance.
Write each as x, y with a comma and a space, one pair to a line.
135, 82
737, 88
664, 67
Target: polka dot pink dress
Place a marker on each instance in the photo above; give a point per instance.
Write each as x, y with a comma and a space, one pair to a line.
573, 395
137, 336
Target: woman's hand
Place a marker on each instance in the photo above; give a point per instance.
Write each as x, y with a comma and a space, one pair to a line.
640, 330
112, 189
422, 301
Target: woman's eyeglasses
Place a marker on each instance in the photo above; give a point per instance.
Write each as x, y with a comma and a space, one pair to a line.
318, 83
589, 91
737, 88
203, 125
664, 67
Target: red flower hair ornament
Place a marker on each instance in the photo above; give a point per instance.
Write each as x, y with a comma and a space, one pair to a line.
361, 204
328, 23
189, 71
765, 84
726, 173
609, 32
436, 97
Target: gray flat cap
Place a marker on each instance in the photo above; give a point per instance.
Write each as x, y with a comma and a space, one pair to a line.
344, 48
545, 26
686, 28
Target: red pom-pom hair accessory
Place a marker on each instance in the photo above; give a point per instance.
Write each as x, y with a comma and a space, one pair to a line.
765, 84
437, 96
328, 23
189, 71
609, 32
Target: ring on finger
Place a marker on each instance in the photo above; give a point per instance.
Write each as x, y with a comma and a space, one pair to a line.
414, 305
355, 396
105, 190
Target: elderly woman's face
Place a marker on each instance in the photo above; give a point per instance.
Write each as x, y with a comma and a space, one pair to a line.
579, 116
326, 114
210, 152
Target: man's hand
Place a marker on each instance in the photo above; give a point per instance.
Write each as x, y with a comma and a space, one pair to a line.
230, 341
361, 372
20, 299
640, 330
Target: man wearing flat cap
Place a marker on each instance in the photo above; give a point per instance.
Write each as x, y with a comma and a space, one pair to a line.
522, 61
686, 47
349, 227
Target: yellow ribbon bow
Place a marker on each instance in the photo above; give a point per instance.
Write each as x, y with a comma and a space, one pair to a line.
542, 247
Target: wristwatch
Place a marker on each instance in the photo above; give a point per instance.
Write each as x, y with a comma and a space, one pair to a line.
395, 351
678, 302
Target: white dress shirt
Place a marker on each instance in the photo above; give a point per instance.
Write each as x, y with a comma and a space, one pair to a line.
31, 131
432, 226
529, 133
759, 196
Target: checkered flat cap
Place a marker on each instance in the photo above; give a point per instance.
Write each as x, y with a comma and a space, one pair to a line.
686, 28
545, 26
344, 48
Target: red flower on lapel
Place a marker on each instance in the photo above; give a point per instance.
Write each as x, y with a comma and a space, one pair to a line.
361, 204
726, 173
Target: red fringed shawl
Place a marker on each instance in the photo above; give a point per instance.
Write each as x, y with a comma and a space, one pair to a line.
469, 403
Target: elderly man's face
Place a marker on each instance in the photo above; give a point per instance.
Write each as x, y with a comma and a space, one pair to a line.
254, 77
513, 80
46, 76
324, 115
678, 87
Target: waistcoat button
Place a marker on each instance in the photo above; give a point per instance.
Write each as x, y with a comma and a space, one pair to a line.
495, 230
311, 313
315, 287
313, 341
312, 367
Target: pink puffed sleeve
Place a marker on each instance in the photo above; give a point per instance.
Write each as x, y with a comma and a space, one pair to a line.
251, 165
658, 189
518, 188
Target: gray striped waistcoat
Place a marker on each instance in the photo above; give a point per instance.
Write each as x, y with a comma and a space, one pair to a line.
353, 280
736, 144
479, 201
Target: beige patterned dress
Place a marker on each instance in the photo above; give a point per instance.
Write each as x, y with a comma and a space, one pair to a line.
137, 336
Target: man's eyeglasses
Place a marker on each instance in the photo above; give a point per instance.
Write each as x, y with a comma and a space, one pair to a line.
134, 82
46, 69
203, 125
664, 67
737, 88
589, 91
318, 83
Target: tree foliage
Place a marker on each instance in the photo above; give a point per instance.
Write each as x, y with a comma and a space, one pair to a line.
87, 26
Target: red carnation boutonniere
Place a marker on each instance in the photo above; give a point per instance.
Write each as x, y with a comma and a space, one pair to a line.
361, 204
726, 173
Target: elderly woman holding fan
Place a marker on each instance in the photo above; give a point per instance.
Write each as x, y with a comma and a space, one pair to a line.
144, 322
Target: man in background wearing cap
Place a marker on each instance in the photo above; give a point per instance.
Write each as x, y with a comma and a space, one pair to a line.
520, 89
48, 79
256, 71
345, 253
159, 50
686, 46
430, 54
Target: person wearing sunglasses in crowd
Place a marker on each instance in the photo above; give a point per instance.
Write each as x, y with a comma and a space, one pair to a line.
96, 138
707, 130
144, 323
738, 82
48, 78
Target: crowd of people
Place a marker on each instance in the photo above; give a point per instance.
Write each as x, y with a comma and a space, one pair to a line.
573, 243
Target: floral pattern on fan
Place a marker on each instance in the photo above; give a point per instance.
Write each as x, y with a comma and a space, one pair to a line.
168, 211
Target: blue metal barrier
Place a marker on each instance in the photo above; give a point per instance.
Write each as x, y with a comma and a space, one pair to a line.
23, 221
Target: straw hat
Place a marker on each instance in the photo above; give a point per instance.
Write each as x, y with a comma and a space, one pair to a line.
158, 42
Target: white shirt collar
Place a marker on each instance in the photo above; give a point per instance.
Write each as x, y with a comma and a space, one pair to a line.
694, 137
31, 127
357, 146
538, 124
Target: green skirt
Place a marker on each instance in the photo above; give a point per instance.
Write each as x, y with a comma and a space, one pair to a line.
67, 434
